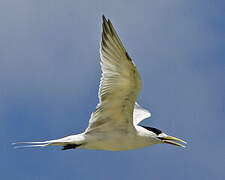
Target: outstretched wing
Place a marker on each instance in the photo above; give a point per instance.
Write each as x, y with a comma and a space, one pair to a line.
119, 86
140, 114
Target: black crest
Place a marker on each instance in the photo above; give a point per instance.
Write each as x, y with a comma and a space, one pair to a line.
156, 131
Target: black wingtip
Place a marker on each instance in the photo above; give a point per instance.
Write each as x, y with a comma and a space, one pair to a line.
103, 18
70, 146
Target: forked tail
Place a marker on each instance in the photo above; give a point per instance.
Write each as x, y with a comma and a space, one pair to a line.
69, 142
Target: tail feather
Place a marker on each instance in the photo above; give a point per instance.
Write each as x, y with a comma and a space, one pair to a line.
41, 142
68, 142
36, 145
31, 144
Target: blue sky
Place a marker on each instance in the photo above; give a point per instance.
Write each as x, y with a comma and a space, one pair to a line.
49, 77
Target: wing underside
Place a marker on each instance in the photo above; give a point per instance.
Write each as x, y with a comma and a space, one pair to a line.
120, 83
140, 114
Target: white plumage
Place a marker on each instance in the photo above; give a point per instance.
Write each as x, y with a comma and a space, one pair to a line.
114, 124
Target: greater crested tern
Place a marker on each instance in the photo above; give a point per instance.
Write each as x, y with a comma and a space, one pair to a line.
113, 126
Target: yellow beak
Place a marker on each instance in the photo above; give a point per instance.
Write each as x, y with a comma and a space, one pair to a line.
171, 139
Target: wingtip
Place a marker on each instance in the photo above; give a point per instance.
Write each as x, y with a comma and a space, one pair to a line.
103, 18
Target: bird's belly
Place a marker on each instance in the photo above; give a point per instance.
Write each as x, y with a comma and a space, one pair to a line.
115, 143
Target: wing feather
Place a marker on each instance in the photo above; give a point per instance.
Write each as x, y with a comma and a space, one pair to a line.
119, 86
140, 114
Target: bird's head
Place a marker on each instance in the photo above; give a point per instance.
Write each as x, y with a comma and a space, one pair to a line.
164, 138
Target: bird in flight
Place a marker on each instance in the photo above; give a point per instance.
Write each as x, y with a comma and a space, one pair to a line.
114, 125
